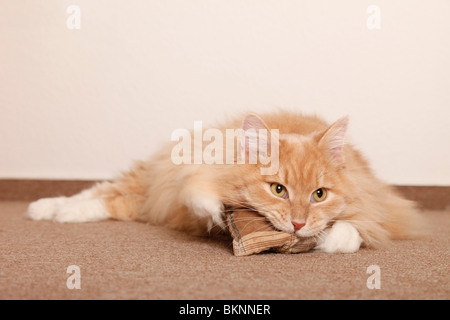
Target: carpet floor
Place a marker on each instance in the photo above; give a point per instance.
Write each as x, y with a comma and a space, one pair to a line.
131, 260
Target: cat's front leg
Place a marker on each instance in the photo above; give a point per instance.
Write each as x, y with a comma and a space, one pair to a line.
342, 237
207, 206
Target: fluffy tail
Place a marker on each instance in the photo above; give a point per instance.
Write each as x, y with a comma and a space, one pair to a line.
391, 218
404, 220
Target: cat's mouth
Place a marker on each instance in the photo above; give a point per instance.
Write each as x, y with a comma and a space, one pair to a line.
309, 233
282, 226
305, 232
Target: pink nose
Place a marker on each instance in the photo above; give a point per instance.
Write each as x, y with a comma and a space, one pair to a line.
297, 225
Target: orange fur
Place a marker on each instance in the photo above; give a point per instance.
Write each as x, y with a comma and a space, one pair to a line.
158, 191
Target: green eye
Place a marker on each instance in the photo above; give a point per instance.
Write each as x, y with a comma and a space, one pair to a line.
319, 195
279, 190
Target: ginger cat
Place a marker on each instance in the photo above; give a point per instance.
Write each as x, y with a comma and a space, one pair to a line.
323, 187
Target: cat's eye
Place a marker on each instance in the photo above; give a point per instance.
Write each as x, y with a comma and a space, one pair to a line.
279, 190
319, 195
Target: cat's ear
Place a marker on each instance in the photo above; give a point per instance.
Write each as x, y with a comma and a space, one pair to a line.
333, 140
252, 121
255, 138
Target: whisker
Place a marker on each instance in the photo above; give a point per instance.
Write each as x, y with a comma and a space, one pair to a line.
256, 230
347, 220
321, 235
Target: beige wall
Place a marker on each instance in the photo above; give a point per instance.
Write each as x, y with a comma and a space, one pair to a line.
81, 104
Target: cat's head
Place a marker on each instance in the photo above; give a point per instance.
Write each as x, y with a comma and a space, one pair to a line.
307, 191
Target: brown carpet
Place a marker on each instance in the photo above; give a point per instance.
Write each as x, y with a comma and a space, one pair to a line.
130, 260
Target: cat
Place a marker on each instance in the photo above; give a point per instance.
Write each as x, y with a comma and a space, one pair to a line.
322, 188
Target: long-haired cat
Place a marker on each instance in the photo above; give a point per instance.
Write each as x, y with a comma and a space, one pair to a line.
323, 187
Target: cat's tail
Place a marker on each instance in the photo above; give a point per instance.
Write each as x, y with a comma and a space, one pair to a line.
404, 220
396, 218
119, 200
389, 217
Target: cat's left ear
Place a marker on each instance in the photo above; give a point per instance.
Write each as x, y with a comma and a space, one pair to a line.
333, 140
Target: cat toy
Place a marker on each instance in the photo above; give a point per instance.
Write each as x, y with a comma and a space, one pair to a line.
252, 234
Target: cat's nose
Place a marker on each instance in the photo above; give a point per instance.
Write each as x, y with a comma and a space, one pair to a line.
297, 225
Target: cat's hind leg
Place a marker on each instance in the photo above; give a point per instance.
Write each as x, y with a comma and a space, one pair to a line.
83, 207
120, 200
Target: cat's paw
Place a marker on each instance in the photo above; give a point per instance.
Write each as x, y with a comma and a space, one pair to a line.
82, 211
341, 238
207, 207
79, 208
45, 209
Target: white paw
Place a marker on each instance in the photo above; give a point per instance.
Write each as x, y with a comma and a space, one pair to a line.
45, 209
341, 238
82, 211
79, 208
207, 207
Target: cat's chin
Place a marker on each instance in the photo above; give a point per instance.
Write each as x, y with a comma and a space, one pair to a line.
306, 233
